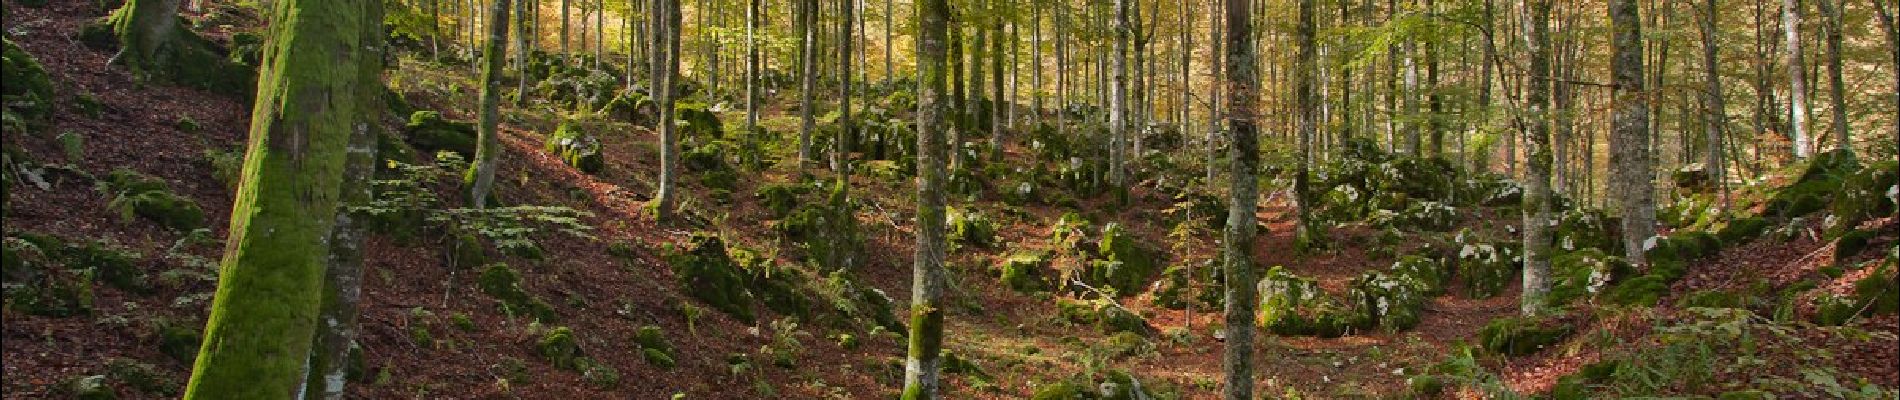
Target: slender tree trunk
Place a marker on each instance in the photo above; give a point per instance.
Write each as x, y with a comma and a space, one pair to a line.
1836, 86
668, 93
564, 27
336, 337
1629, 144
841, 156
258, 339
1035, 56
927, 274
1893, 46
1797, 78
1304, 81
808, 77
524, 52
752, 17
1716, 111
481, 173
998, 101
1243, 197
1118, 103
890, 66
1536, 206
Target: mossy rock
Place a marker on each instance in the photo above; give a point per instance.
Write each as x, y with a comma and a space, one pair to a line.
1851, 244
114, 265
698, 119
827, 232
1876, 294
1027, 272
1428, 178
1178, 286
91, 387
1820, 179
1863, 196
1518, 336
1644, 290
145, 378
969, 226
39, 283
1124, 344
658, 359
1693, 177
560, 348
1061, 390
1389, 301
504, 284
1121, 385
1585, 274
709, 274
1581, 228
28, 94
576, 148
1742, 229
180, 341
631, 107
1295, 305
136, 194
1127, 265
780, 198
1487, 268
707, 157
1429, 274
430, 132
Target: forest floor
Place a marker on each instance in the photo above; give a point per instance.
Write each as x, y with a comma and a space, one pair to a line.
416, 345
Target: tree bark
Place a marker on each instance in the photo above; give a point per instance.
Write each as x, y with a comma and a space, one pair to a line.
343, 275
1716, 109
1893, 43
1243, 197
1305, 71
1118, 103
668, 91
1836, 87
1797, 78
752, 16
1536, 207
927, 274
1629, 143
481, 172
841, 156
808, 78
258, 339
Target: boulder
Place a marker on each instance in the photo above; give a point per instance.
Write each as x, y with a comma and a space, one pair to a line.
1295, 305
576, 148
1487, 268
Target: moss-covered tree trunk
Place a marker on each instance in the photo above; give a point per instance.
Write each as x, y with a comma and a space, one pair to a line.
336, 334
154, 45
668, 89
1629, 141
481, 173
258, 339
927, 275
1536, 208
1242, 197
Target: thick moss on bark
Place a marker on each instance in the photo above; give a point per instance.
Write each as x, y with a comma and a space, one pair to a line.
155, 43
258, 337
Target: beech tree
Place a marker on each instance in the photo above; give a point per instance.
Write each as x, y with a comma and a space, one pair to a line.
921, 363
481, 173
1537, 193
1242, 298
1630, 163
258, 338
666, 88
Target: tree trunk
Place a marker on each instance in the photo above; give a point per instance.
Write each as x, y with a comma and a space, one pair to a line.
481, 173
841, 155
1243, 197
1118, 103
258, 340
1797, 78
808, 78
1536, 208
927, 274
1035, 57
564, 28
1836, 87
998, 101
524, 52
1305, 71
336, 337
1629, 143
1893, 46
668, 91
1716, 111
752, 16
890, 66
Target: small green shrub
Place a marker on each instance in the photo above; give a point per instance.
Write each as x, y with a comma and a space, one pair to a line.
560, 348
136, 194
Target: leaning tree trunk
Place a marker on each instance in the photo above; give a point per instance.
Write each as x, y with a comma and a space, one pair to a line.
481, 173
336, 337
668, 90
1837, 88
258, 339
1243, 195
1629, 142
1537, 240
927, 274
1797, 78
